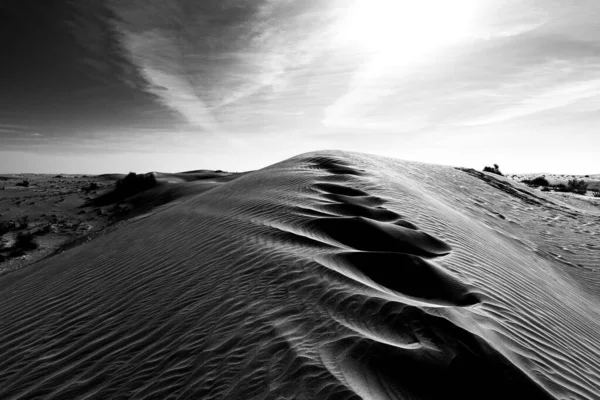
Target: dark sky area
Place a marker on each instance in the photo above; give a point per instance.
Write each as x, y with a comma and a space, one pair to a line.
65, 73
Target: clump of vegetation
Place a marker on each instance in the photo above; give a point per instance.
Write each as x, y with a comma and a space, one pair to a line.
494, 170
596, 192
24, 183
25, 241
539, 181
90, 187
16, 253
134, 183
577, 186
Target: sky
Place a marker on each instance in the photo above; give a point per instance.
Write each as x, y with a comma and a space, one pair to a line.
174, 85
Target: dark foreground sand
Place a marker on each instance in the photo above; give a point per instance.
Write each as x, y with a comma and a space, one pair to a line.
327, 276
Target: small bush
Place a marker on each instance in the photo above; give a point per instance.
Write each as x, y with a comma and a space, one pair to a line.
17, 253
596, 192
539, 181
134, 183
24, 183
494, 170
25, 241
90, 187
577, 186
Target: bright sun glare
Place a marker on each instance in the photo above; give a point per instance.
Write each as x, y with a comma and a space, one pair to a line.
405, 27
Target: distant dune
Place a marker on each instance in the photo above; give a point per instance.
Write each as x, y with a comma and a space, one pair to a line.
330, 275
57, 212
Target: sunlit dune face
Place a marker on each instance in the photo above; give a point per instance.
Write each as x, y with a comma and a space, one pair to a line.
405, 27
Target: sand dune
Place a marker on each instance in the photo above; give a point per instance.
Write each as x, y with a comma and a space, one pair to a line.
330, 275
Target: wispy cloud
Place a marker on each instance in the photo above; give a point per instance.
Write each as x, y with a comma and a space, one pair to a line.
174, 89
206, 58
548, 99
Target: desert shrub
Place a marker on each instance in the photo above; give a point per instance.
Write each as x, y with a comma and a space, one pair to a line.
560, 187
596, 192
545, 189
539, 181
25, 240
134, 183
24, 183
90, 187
494, 170
577, 186
17, 253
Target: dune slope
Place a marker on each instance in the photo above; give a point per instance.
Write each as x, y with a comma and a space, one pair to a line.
329, 275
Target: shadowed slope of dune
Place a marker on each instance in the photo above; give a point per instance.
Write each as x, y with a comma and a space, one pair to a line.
328, 275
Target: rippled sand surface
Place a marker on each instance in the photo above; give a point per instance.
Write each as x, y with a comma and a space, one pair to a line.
330, 275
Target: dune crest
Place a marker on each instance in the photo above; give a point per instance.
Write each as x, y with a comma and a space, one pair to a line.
330, 275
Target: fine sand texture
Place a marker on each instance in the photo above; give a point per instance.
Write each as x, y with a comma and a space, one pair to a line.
330, 275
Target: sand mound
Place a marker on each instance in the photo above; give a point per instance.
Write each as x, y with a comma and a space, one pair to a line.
327, 276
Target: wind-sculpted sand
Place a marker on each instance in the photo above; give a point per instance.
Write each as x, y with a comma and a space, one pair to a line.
327, 276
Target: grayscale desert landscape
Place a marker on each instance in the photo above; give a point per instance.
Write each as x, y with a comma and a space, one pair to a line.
299, 200
328, 275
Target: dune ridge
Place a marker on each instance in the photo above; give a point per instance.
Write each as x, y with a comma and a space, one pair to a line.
328, 275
